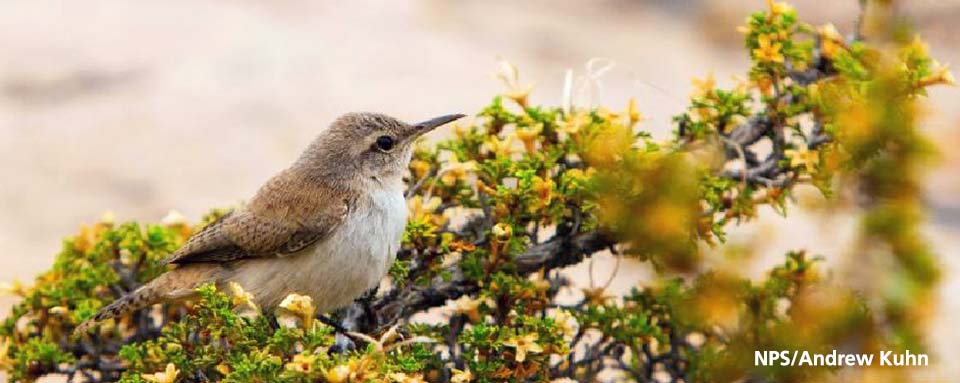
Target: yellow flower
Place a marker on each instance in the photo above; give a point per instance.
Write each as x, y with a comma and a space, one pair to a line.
243, 301
461, 376
173, 218
459, 130
765, 84
301, 363
607, 114
572, 124
803, 157
544, 190
511, 78
5, 362
705, 86
523, 345
497, 147
633, 114
167, 376
918, 46
108, 218
947, 77
831, 41
528, 135
399, 377
768, 51
338, 374
830, 32
502, 231
468, 306
13, 288
778, 8
58, 310
223, 369
301, 306
420, 210
942, 76
419, 168
566, 323
596, 295
456, 171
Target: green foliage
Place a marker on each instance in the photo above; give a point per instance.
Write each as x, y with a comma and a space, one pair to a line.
836, 112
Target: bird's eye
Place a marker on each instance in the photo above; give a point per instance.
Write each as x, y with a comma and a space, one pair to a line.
384, 143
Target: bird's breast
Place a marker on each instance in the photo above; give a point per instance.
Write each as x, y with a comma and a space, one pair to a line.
337, 270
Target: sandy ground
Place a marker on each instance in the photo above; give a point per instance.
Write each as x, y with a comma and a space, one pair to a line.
140, 107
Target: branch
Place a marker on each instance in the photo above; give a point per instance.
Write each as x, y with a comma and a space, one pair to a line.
559, 251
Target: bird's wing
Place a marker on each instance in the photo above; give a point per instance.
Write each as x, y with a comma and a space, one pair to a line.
291, 220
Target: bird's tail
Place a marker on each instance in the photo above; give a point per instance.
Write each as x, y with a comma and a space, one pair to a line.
173, 284
139, 298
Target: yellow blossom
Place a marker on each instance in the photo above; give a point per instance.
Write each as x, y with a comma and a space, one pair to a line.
419, 168
108, 218
803, 157
544, 190
13, 288
502, 231
461, 376
399, 377
169, 375
223, 369
243, 301
765, 84
633, 114
511, 78
6, 363
607, 114
566, 323
768, 50
173, 218
942, 76
579, 175
778, 8
831, 41
528, 135
572, 124
497, 147
918, 46
459, 130
705, 86
420, 210
830, 32
301, 306
301, 363
468, 306
596, 295
524, 344
338, 374
456, 171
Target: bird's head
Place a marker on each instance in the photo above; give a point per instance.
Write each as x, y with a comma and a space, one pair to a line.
368, 145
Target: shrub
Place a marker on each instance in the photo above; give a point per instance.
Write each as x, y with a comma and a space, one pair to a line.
499, 209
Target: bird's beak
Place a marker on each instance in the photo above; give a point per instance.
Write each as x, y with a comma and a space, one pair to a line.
432, 123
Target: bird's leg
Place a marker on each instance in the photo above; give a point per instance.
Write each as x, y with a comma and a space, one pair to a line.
332, 323
274, 322
343, 341
369, 320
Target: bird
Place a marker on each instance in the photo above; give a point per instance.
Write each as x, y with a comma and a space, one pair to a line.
328, 226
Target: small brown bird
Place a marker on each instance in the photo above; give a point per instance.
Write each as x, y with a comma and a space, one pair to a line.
329, 226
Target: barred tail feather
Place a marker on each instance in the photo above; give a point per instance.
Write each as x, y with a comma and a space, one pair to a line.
175, 284
142, 297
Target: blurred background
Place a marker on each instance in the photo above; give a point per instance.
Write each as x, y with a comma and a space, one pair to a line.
140, 107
